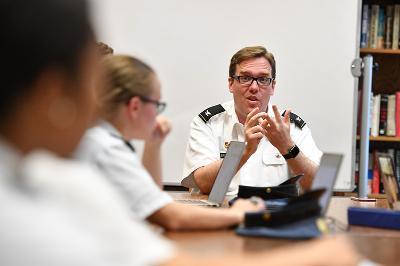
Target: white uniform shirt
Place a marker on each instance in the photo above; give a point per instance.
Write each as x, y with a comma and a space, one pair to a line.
266, 167
104, 147
59, 212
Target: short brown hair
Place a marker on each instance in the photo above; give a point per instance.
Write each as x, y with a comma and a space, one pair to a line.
251, 52
126, 77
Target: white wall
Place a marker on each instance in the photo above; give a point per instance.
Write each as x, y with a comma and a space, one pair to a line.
190, 43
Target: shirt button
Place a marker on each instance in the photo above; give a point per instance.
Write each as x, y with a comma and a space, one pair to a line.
278, 156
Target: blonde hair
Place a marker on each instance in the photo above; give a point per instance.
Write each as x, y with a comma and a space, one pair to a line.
126, 77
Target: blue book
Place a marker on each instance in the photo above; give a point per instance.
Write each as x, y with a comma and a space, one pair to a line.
364, 27
374, 217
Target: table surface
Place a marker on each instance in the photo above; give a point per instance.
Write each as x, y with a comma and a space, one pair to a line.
380, 245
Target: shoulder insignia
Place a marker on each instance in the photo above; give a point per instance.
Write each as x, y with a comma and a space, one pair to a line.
296, 120
210, 112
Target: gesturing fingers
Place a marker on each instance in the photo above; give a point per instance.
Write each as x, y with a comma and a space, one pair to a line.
286, 119
276, 112
269, 123
256, 129
256, 119
251, 114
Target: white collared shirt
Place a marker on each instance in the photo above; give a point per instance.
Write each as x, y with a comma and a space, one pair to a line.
60, 212
266, 167
104, 147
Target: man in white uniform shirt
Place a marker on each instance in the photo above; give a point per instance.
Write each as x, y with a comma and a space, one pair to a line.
279, 143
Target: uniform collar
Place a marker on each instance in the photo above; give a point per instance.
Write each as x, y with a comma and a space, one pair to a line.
230, 109
107, 126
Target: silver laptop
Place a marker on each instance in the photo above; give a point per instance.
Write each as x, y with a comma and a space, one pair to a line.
326, 177
224, 177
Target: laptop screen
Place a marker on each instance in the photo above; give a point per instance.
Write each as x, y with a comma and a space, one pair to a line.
326, 177
226, 171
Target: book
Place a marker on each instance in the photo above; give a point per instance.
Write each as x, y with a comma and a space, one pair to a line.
375, 186
391, 116
364, 26
383, 115
376, 106
397, 115
396, 27
381, 29
373, 217
389, 26
370, 171
397, 164
373, 29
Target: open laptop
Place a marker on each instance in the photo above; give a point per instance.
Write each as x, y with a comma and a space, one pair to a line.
224, 177
324, 178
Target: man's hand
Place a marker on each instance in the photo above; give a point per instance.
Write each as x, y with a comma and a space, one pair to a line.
277, 130
161, 130
241, 206
254, 132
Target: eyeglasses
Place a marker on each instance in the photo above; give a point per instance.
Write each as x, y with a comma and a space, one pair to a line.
247, 81
159, 105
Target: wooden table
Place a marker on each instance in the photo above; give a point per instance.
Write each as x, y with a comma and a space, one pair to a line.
379, 245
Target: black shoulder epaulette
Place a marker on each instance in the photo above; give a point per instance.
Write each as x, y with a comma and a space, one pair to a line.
210, 112
295, 119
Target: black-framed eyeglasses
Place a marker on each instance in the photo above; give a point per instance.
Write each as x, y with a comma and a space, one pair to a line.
247, 80
160, 105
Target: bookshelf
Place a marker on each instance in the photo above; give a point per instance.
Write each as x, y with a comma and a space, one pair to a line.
383, 139
379, 51
379, 43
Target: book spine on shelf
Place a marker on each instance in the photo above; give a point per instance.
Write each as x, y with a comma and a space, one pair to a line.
383, 115
391, 116
375, 174
397, 114
376, 104
381, 29
364, 26
389, 26
396, 27
374, 26
370, 171
397, 164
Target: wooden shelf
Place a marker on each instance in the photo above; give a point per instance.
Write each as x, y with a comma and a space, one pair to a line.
383, 138
379, 51
354, 194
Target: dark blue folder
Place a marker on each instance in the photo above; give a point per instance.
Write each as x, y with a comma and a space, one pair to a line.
304, 229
